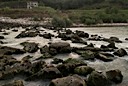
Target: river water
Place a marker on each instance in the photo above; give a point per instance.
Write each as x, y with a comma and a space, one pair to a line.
120, 63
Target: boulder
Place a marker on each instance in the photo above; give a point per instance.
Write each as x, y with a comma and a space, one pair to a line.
44, 49
115, 76
88, 55
73, 61
45, 56
4, 50
68, 68
46, 73
61, 47
73, 80
97, 79
120, 52
30, 47
103, 57
56, 61
126, 39
15, 83
115, 39
46, 35
83, 70
68, 31
27, 34
82, 34
112, 45
1, 37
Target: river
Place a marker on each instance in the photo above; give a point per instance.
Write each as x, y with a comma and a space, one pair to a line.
120, 63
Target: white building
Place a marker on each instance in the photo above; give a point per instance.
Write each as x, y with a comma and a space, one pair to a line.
31, 5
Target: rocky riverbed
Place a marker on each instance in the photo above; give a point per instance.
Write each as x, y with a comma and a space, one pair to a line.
40, 56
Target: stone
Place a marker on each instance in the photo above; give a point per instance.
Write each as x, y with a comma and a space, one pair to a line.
126, 39
88, 55
15, 83
83, 70
1, 37
30, 47
115, 76
45, 73
82, 34
97, 79
120, 52
61, 47
112, 45
56, 61
73, 80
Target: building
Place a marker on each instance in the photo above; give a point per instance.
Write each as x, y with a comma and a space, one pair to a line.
32, 4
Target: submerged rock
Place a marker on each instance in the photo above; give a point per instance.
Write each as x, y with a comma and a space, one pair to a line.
73, 80
115, 76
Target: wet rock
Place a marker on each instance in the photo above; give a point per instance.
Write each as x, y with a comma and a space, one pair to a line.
4, 50
61, 47
15, 83
46, 73
26, 57
83, 70
44, 49
97, 79
90, 45
115, 76
73, 80
77, 39
1, 37
112, 45
68, 31
126, 38
46, 35
27, 34
120, 52
56, 61
103, 46
15, 30
5, 33
103, 57
88, 55
115, 39
82, 34
30, 47
68, 68
45, 56
73, 61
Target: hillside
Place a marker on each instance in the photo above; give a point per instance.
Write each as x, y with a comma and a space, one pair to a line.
73, 4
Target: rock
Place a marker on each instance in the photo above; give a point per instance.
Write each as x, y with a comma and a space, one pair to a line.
27, 34
44, 49
46, 35
115, 39
120, 52
103, 46
5, 33
83, 70
46, 73
26, 57
77, 39
30, 47
88, 55
112, 45
103, 57
97, 79
82, 34
126, 38
68, 68
61, 47
115, 76
56, 61
45, 56
68, 31
73, 80
1, 37
15, 83
73, 61
15, 30
4, 50
90, 45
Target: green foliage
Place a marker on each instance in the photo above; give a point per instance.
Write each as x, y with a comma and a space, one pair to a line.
61, 22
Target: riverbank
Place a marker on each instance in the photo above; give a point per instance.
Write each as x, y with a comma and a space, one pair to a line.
45, 22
